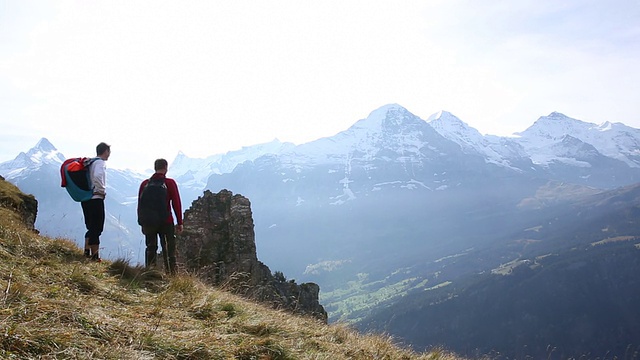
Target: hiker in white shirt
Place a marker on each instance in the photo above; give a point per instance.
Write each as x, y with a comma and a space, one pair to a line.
93, 209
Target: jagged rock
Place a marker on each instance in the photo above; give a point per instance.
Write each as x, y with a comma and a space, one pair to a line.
26, 206
218, 244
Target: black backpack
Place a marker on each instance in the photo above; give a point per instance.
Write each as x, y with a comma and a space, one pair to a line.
152, 205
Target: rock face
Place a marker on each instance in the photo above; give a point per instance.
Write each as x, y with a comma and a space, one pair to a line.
25, 206
218, 244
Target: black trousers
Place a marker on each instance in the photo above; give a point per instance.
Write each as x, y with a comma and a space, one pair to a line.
167, 236
93, 211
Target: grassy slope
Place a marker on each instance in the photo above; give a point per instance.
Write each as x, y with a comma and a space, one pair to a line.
55, 305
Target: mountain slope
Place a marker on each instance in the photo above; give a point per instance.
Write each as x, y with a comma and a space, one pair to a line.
575, 304
572, 288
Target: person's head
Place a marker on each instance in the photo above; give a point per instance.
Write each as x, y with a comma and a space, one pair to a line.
103, 150
161, 166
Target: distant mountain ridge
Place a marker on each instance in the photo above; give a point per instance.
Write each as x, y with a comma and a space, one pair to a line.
600, 156
394, 152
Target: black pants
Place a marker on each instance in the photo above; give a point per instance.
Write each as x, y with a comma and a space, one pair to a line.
166, 234
93, 211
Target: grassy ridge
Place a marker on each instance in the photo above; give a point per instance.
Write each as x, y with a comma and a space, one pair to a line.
55, 305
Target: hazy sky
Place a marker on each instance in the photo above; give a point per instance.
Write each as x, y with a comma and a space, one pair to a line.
205, 77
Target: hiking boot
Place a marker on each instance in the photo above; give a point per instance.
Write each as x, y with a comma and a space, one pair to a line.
87, 253
96, 258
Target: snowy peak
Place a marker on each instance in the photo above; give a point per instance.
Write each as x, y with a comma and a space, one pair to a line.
555, 126
42, 153
44, 145
390, 126
557, 115
614, 140
390, 129
552, 129
499, 151
22, 161
381, 113
45, 153
195, 171
384, 119
452, 128
446, 120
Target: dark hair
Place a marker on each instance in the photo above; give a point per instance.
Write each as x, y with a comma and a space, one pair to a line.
101, 148
160, 164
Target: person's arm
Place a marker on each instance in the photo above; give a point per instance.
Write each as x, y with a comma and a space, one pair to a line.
176, 204
98, 178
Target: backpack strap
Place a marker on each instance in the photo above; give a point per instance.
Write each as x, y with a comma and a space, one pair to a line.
89, 161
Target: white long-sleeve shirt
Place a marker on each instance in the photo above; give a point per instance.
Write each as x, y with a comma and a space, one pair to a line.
98, 173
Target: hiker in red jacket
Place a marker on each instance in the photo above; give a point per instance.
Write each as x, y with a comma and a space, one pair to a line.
157, 196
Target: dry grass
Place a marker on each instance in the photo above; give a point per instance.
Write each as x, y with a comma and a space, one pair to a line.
55, 305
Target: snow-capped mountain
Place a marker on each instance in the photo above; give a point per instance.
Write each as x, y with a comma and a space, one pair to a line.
345, 191
43, 153
193, 172
391, 129
614, 140
390, 149
566, 149
441, 167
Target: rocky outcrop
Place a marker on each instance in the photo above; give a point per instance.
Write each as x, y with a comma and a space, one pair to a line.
218, 244
25, 206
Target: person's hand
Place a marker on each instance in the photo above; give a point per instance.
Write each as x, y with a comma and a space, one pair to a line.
179, 229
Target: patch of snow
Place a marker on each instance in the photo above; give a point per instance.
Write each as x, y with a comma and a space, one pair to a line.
419, 183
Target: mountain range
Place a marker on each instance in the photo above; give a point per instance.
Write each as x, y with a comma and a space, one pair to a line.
396, 213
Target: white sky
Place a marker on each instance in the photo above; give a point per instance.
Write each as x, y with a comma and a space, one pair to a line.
205, 77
